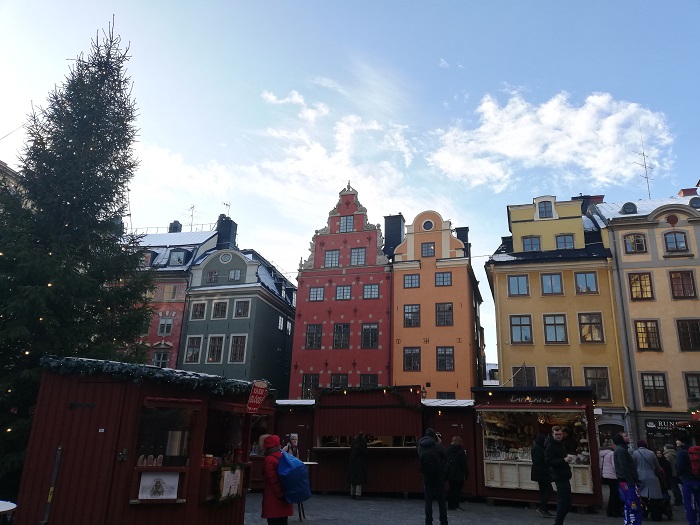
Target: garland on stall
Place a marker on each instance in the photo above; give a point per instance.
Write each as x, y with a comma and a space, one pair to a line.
140, 373
395, 391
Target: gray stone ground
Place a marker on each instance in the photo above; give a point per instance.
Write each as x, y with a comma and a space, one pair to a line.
371, 510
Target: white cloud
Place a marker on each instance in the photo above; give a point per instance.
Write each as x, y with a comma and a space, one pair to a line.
443, 64
330, 84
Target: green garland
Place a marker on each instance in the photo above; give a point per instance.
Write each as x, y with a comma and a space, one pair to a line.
393, 390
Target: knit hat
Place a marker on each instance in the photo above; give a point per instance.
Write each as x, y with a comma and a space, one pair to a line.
271, 441
430, 433
641, 443
618, 439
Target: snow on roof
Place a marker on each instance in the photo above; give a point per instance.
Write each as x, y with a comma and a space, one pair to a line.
588, 224
613, 210
176, 239
448, 403
296, 402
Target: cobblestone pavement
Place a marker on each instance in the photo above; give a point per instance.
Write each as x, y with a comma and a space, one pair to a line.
342, 510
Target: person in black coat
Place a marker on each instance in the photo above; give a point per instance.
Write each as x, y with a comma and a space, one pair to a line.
357, 473
558, 460
456, 472
626, 470
540, 474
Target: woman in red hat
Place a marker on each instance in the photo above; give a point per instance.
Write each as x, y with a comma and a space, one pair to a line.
274, 505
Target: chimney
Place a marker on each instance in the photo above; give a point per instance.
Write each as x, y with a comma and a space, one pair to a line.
687, 192
175, 227
227, 229
394, 231
463, 235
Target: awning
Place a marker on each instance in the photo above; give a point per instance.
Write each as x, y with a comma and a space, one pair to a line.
531, 408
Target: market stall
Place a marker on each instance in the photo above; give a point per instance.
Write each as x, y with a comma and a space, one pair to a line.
508, 421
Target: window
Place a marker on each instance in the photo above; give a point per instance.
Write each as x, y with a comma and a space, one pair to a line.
647, 335
280, 323
565, 242
689, 334
427, 249
446, 395
411, 280
545, 209
524, 376
213, 277
289, 328
635, 243
590, 326
597, 378
194, 347
445, 358
443, 279
219, 311
237, 353
341, 335
654, 389
411, 359
559, 375
313, 336
316, 293
165, 326
234, 275
675, 242
640, 286
177, 258
242, 308
518, 285
357, 256
198, 310
586, 282
309, 384
370, 335
692, 386
370, 291
160, 359
332, 258
531, 244
369, 380
346, 223
411, 315
443, 314
520, 329
682, 285
215, 349
555, 328
339, 380
551, 284
342, 293
169, 291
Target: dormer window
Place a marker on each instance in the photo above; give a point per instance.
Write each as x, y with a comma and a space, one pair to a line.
635, 243
545, 209
177, 258
147, 259
676, 242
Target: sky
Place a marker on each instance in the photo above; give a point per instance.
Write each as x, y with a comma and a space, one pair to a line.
265, 110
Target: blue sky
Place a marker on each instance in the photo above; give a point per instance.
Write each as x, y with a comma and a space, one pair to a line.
460, 106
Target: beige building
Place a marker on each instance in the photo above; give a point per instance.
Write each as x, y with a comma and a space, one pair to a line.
556, 322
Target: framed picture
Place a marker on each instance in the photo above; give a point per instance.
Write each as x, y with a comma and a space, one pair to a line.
159, 485
231, 482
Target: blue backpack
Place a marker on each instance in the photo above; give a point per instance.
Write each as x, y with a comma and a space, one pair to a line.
294, 478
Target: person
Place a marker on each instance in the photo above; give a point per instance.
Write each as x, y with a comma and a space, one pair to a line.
690, 482
456, 472
557, 459
665, 479
540, 473
292, 446
432, 466
607, 471
650, 488
357, 472
628, 479
569, 441
274, 505
674, 482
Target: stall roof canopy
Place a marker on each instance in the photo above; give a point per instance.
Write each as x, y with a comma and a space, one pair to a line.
531, 408
296, 402
146, 373
448, 403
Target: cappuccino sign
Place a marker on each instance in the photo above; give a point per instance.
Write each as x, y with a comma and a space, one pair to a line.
257, 396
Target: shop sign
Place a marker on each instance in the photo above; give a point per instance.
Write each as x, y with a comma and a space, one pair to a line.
531, 399
660, 427
257, 396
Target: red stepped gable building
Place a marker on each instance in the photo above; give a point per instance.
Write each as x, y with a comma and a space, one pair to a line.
343, 330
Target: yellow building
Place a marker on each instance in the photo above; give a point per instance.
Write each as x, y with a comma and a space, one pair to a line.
555, 316
655, 245
438, 339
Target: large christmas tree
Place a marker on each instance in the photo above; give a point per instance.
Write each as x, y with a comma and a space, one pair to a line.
70, 277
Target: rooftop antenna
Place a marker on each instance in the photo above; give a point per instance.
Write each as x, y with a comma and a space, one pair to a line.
228, 208
644, 164
191, 208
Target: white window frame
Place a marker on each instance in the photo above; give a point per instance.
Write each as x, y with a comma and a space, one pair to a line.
223, 343
165, 322
235, 308
230, 349
213, 310
187, 345
204, 317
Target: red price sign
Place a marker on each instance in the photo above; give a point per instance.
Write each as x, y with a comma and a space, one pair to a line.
257, 396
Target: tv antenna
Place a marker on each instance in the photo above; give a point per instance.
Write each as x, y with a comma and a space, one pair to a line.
191, 209
644, 163
228, 208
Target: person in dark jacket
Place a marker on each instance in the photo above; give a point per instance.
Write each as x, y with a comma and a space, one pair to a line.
357, 472
558, 461
626, 470
540, 474
429, 447
456, 472
690, 483
274, 505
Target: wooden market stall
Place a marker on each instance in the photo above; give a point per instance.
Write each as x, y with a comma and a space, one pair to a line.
115, 443
508, 419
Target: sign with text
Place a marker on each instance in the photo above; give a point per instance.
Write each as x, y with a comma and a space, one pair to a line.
257, 396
